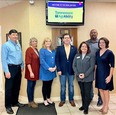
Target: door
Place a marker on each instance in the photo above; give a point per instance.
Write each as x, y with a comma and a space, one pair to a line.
0, 61
58, 32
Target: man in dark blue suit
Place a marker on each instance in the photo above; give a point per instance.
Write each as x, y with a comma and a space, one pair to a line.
64, 59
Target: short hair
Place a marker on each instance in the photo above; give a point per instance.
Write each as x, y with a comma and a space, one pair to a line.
105, 40
66, 34
12, 31
94, 30
45, 40
31, 39
88, 48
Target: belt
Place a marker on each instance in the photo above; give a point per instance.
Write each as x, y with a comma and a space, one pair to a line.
13, 65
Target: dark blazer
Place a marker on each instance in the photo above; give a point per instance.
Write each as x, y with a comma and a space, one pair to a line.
85, 66
63, 64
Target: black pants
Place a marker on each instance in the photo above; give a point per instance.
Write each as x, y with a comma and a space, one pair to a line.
85, 88
99, 96
12, 86
46, 89
92, 94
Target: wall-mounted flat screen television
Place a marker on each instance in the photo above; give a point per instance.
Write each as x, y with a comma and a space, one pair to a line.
65, 12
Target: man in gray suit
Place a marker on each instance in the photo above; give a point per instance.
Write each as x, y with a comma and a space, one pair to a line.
93, 44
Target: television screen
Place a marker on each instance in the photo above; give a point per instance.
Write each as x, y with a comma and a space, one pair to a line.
65, 12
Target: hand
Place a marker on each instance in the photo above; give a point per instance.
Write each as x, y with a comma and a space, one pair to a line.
51, 69
31, 75
7, 75
22, 69
81, 75
108, 79
54, 68
59, 73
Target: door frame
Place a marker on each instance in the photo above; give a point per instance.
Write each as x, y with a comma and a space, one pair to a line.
1, 80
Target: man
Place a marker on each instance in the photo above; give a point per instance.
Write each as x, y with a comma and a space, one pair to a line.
64, 59
12, 63
93, 44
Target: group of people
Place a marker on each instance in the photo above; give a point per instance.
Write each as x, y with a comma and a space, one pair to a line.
92, 60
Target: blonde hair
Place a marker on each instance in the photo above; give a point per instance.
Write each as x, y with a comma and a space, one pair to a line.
32, 39
45, 40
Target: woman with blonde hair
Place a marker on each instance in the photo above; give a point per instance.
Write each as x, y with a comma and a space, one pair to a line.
47, 69
32, 70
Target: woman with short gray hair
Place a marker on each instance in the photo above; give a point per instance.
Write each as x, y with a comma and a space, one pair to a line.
32, 70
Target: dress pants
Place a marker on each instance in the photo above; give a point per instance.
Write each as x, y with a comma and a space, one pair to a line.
85, 88
12, 85
46, 89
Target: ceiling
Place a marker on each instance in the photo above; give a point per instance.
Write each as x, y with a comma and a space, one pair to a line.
4, 3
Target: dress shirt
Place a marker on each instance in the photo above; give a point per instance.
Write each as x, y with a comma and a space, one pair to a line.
11, 54
67, 50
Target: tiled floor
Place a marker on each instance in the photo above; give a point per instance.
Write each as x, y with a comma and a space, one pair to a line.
67, 109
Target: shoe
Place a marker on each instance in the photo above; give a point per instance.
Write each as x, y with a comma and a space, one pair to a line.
46, 103
101, 110
19, 105
99, 103
81, 108
9, 110
33, 105
72, 103
85, 111
49, 101
61, 104
104, 112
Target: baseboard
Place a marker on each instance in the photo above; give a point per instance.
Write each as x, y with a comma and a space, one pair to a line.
40, 100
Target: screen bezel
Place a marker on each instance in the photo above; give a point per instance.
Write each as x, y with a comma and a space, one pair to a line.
65, 23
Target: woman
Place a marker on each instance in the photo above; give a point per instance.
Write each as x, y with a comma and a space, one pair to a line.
47, 69
83, 66
32, 70
104, 72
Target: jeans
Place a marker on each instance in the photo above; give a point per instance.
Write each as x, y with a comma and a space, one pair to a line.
30, 90
63, 79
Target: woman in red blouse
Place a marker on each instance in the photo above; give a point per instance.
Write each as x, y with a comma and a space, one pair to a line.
32, 70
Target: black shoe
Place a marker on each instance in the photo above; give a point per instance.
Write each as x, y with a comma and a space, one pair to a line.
19, 105
85, 112
81, 108
99, 103
9, 110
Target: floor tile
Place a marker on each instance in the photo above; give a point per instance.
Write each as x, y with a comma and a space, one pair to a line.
67, 109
